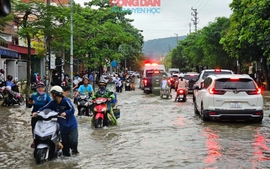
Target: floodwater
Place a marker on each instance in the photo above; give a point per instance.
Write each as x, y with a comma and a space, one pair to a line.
152, 133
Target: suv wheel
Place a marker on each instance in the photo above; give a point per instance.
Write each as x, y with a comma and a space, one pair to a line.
195, 109
204, 118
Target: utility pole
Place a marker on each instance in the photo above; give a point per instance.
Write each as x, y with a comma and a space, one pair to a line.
189, 28
195, 18
71, 50
48, 54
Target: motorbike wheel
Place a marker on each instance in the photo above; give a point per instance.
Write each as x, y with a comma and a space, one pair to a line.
98, 123
40, 156
21, 99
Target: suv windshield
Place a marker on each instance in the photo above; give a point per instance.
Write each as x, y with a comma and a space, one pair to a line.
189, 77
207, 73
234, 84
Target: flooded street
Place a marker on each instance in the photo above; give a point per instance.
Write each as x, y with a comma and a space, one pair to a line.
152, 133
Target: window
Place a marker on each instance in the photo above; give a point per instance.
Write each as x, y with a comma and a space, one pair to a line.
207, 73
207, 82
234, 84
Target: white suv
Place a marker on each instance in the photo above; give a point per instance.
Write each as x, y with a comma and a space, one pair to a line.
231, 96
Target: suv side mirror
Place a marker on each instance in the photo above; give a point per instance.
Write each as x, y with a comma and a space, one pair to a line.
5, 7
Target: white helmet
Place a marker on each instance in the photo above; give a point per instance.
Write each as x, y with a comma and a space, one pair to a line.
57, 90
181, 75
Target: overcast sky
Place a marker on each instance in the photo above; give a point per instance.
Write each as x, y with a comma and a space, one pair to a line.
175, 16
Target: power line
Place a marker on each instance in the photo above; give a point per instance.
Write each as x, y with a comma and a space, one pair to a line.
200, 4
196, 2
204, 5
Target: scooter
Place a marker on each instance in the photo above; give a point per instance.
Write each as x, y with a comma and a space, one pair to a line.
2, 83
83, 104
11, 97
127, 85
100, 111
64, 85
165, 93
2, 89
181, 95
47, 136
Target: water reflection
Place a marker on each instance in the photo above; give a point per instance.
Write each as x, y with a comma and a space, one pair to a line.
260, 147
212, 145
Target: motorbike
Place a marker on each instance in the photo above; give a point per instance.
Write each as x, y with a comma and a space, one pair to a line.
47, 136
2, 92
100, 110
83, 104
11, 97
64, 85
181, 95
2, 83
127, 85
165, 93
33, 86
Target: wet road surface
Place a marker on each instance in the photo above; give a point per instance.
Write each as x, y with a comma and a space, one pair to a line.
152, 133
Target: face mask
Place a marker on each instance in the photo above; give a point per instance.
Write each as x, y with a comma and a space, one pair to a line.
102, 88
41, 93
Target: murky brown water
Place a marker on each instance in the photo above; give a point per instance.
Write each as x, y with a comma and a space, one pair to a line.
152, 133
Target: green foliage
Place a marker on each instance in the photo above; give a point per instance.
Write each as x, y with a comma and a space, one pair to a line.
104, 34
203, 49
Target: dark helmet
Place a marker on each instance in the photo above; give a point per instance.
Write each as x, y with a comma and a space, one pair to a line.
2, 71
57, 90
40, 84
9, 77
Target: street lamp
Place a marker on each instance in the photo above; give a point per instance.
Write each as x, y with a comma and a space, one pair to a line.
71, 51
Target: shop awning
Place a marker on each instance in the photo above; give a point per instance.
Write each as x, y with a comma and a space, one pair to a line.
8, 53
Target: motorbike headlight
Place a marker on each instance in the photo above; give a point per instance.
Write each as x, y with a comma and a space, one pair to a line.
95, 109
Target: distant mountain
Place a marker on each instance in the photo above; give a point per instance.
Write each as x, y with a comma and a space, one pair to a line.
157, 48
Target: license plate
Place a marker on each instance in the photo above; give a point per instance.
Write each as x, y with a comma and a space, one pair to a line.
157, 87
164, 96
181, 96
235, 105
157, 82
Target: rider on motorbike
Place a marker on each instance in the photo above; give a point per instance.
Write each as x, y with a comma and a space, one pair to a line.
182, 84
37, 100
164, 86
68, 126
103, 92
86, 88
2, 74
2, 77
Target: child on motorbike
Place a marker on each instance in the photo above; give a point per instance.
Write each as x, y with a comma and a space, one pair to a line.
69, 125
37, 100
86, 88
165, 86
103, 92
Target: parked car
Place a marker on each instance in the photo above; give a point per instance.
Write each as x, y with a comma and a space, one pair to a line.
229, 96
191, 78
